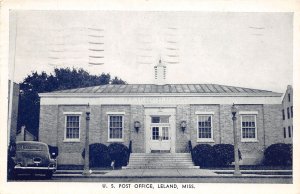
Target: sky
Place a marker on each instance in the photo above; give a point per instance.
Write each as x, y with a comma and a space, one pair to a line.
252, 50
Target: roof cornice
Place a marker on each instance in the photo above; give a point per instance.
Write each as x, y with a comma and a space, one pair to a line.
89, 95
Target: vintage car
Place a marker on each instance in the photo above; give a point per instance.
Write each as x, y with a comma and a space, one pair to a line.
32, 158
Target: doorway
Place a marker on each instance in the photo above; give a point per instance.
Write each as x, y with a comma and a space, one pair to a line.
160, 131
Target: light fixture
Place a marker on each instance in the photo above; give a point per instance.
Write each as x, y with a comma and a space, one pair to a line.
137, 125
183, 126
233, 110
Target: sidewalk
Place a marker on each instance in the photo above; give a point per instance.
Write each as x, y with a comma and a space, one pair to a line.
161, 173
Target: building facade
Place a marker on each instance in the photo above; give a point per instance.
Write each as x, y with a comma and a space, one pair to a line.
160, 110
287, 115
160, 117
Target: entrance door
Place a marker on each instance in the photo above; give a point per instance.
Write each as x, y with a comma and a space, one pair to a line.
160, 139
160, 129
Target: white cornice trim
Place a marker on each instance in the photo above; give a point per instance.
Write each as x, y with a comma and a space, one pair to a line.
160, 100
204, 113
248, 112
115, 113
72, 113
115, 95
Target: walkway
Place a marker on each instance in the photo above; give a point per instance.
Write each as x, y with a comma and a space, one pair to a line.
161, 173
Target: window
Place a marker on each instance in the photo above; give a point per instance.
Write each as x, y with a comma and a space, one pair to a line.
284, 132
291, 111
165, 133
155, 133
72, 127
283, 115
160, 119
248, 127
205, 127
288, 112
115, 127
290, 133
289, 97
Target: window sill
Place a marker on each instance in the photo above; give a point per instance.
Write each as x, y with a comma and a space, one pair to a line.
71, 141
249, 141
205, 141
115, 140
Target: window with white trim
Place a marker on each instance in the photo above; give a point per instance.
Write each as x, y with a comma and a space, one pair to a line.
205, 128
115, 127
72, 130
248, 128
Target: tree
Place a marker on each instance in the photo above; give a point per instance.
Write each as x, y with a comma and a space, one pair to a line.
117, 81
61, 79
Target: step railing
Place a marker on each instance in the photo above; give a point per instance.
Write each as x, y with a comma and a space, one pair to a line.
190, 149
190, 146
130, 151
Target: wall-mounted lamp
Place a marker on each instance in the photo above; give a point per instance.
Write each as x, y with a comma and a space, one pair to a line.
183, 126
137, 125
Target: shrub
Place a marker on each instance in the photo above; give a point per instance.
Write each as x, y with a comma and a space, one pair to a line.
224, 154
99, 156
202, 155
279, 154
118, 153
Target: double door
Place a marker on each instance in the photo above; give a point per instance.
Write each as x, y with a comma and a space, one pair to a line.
160, 139
160, 129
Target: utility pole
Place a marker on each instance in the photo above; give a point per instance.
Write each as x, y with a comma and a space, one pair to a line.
11, 85
86, 170
237, 171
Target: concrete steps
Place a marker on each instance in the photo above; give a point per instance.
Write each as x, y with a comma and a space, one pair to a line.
160, 161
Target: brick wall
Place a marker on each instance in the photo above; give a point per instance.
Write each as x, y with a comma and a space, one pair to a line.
52, 128
138, 138
273, 124
70, 152
104, 122
267, 121
215, 122
287, 122
48, 124
183, 113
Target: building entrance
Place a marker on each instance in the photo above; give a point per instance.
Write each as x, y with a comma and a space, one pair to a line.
160, 131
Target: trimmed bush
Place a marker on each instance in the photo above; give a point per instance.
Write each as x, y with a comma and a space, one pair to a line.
279, 154
224, 154
203, 155
118, 153
99, 156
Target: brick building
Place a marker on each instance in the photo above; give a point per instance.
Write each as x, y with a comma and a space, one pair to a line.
287, 115
169, 116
